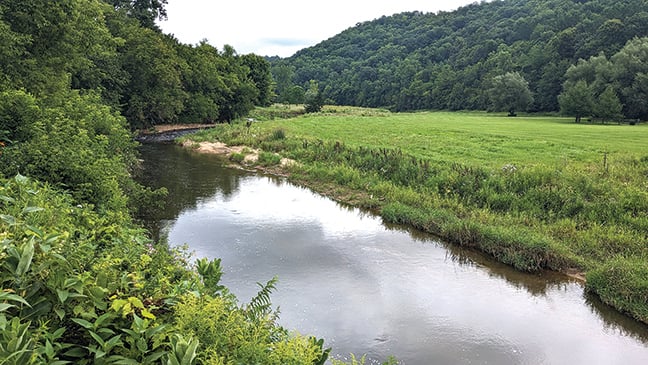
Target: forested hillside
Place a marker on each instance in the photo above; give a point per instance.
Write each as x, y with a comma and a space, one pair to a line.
448, 60
80, 281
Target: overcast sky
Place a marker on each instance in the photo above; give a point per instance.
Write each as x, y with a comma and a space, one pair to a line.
280, 27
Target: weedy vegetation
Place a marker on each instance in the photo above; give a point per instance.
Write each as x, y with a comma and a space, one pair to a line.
79, 287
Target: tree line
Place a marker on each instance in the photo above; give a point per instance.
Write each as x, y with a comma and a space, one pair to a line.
115, 49
451, 60
76, 75
80, 281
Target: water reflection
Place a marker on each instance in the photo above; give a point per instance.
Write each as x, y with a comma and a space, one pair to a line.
381, 290
616, 322
536, 284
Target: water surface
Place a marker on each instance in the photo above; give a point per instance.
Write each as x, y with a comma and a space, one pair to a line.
370, 288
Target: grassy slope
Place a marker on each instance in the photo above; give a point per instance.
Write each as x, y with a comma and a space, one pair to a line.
469, 199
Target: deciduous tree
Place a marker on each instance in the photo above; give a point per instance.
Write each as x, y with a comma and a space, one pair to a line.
509, 92
313, 100
576, 100
608, 107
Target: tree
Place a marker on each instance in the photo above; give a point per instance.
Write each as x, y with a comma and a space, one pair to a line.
510, 92
294, 95
19, 117
576, 100
283, 76
608, 106
631, 67
154, 94
145, 11
259, 73
313, 100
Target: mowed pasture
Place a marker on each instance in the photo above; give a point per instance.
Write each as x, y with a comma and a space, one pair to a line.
475, 138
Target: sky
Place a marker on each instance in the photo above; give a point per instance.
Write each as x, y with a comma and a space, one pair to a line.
280, 27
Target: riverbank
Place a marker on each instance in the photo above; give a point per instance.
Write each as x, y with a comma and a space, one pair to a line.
573, 218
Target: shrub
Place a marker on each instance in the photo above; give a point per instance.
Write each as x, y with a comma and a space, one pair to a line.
277, 134
269, 159
237, 157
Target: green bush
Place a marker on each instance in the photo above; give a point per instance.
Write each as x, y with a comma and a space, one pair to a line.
87, 288
229, 334
82, 146
269, 159
277, 134
237, 157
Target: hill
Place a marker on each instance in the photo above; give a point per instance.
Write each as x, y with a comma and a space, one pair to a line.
413, 61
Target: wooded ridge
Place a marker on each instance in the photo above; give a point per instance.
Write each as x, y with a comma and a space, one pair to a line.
415, 61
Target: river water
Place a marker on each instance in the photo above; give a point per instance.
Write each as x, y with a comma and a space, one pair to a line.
369, 288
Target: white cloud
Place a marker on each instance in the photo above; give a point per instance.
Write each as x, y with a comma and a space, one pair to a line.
279, 27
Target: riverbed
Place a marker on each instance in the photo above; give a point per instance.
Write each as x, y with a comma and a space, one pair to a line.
366, 287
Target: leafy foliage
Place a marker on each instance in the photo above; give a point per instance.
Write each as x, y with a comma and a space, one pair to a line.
510, 92
618, 83
80, 282
414, 61
79, 287
577, 100
313, 100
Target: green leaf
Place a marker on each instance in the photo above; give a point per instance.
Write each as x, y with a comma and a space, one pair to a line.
136, 302
142, 345
99, 354
77, 352
49, 349
155, 330
120, 360
114, 341
25, 258
10, 220
13, 297
104, 317
8, 199
147, 314
27, 210
118, 304
35, 230
190, 353
153, 357
106, 331
51, 238
4, 306
21, 179
97, 338
59, 312
57, 334
62, 295
83, 323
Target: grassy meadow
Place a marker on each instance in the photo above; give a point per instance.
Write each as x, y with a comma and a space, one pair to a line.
535, 192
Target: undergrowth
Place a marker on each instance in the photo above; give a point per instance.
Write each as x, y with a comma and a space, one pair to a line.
87, 288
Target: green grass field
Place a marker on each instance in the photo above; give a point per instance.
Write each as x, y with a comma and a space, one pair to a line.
533, 192
475, 138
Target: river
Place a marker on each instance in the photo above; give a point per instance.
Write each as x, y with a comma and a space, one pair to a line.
366, 287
